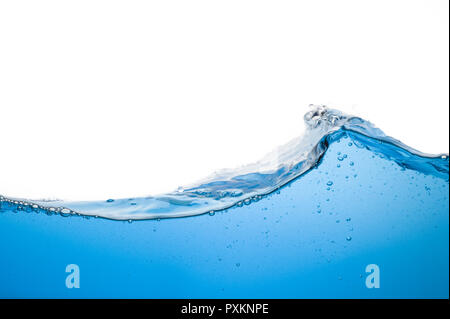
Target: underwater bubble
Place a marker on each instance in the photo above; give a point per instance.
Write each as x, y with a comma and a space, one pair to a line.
110, 200
238, 264
340, 158
329, 183
349, 238
212, 213
130, 221
348, 219
351, 163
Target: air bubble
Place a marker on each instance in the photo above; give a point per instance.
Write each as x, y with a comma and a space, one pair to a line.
66, 211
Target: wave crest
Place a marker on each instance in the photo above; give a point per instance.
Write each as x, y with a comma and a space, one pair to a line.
241, 186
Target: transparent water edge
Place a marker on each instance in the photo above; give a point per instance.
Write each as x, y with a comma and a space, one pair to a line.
250, 183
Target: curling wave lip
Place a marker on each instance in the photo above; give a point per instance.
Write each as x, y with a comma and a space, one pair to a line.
241, 186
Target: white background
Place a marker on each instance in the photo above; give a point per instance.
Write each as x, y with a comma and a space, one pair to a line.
104, 99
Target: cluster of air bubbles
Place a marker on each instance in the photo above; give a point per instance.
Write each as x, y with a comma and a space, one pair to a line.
319, 115
19, 205
329, 184
216, 194
249, 200
341, 157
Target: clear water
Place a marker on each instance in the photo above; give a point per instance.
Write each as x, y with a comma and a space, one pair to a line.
302, 224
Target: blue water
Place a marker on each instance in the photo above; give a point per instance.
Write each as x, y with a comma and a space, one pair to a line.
302, 224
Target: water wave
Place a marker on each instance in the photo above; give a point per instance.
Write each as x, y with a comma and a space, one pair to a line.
243, 185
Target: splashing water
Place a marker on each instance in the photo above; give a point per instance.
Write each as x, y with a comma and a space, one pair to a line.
250, 183
304, 222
